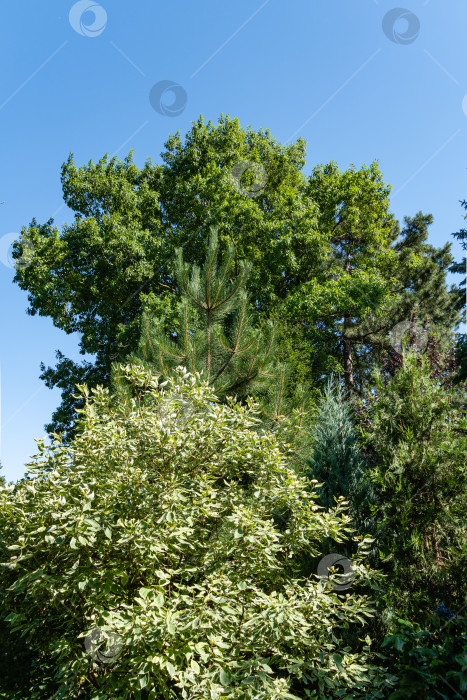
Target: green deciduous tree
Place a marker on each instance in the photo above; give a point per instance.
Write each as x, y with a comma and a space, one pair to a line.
371, 277
323, 252
160, 535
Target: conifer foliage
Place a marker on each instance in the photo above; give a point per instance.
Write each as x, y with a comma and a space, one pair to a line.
216, 337
335, 462
416, 436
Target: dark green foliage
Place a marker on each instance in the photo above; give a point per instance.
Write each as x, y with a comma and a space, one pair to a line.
425, 285
429, 660
324, 253
416, 438
460, 267
421, 298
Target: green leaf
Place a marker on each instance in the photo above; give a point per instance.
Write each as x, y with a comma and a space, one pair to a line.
171, 669
224, 677
159, 600
229, 610
143, 681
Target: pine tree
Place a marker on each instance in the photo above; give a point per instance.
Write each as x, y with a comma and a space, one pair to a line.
215, 336
421, 303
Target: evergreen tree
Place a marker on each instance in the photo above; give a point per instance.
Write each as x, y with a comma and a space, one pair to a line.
336, 461
419, 300
416, 436
425, 285
215, 336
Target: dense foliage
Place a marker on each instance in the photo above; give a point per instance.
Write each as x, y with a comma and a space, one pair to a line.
461, 300
431, 660
329, 261
263, 496
161, 530
217, 338
417, 434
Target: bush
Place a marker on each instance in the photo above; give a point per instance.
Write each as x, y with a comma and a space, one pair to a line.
431, 660
151, 558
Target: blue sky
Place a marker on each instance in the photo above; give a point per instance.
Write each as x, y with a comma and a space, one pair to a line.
322, 69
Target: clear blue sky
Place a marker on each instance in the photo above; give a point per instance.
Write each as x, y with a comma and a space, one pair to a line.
322, 69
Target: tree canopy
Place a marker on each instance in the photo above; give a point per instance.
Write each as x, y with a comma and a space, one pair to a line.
325, 259
236, 313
